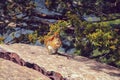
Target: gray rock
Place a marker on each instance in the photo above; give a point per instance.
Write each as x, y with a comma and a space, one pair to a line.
79, 68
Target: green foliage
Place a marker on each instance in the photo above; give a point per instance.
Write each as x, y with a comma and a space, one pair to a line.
59, 26
1, 39
96, 40
102, 36
16, 6
97, 52
33, 37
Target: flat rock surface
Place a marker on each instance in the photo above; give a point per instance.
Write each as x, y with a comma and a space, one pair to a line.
12, 71
80, 68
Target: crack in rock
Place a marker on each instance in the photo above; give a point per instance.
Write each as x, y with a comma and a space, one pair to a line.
16, 59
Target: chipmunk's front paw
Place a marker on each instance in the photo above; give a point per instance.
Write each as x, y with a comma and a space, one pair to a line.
51, 50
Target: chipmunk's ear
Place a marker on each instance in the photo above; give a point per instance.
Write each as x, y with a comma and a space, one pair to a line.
51, 38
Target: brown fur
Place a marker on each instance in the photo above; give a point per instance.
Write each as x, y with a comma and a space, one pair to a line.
53, 41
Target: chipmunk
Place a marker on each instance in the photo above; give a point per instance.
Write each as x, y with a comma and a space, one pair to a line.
53, 43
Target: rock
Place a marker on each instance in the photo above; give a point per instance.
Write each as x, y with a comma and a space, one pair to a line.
79, 68
12, 71
16, 59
